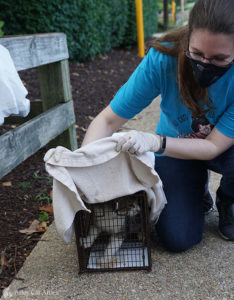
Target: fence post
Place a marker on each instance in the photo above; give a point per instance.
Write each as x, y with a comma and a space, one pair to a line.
55, 88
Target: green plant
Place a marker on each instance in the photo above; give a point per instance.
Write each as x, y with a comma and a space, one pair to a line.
43, 216
50, 179
1, 25
160, 6
38, 177
42, 197
25, 185
150, 21
118, 14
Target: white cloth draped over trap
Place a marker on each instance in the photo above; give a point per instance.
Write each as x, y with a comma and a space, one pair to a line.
98, 173
12, 90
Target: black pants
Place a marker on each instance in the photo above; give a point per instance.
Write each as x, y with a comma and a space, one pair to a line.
181, 222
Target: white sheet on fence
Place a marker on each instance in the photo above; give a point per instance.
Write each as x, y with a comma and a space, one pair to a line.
12, 90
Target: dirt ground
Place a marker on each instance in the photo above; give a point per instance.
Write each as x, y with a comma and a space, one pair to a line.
94, 83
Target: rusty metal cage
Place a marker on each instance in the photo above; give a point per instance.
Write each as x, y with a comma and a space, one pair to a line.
115, 235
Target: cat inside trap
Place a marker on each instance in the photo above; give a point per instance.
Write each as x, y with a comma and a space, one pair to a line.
110, 229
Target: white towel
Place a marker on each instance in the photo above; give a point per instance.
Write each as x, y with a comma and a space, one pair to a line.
99, 173
12, 90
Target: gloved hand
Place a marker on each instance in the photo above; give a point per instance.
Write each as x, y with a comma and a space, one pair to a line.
138, 142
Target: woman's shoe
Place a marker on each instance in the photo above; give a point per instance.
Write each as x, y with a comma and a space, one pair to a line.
225, 206
208, 203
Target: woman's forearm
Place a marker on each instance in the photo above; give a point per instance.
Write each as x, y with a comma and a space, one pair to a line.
202, 149
97, 129
104, 125
190, 149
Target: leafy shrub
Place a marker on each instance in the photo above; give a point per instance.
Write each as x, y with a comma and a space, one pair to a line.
1, 25
150, 21
92, 26
119, 15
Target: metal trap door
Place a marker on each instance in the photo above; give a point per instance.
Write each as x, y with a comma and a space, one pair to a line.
136, 246
81, 224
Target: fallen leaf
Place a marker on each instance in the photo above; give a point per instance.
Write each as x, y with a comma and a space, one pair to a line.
24, 83
31, 229
4, 261
104, 57
83, 129
7, 183
75, 74
13, 126
90, 118
42, 226
47, 208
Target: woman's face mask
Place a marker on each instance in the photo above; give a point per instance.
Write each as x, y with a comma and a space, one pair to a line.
210, 55
206, 74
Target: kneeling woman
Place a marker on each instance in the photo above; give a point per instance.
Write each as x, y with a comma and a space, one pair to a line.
192, 68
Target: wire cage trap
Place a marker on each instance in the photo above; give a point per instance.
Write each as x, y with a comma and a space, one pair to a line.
115, 235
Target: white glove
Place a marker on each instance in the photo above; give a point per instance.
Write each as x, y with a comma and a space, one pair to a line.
138, 142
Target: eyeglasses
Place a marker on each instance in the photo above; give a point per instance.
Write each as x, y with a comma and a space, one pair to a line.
214, 61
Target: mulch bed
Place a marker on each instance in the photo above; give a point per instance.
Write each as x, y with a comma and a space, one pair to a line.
94, 83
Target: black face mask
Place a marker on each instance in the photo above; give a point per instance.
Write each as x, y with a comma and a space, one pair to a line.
206, 74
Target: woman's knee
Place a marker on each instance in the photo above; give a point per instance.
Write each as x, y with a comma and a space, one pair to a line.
179, 241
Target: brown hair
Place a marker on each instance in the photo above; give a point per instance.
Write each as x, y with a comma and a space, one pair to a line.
217, 17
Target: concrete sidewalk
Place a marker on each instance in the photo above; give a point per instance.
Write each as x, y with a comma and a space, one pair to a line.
203, 272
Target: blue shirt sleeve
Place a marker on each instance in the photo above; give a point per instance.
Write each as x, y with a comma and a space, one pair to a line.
140, 89
226, 123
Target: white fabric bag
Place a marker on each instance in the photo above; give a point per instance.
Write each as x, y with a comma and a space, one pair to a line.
12, 90
98, 173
